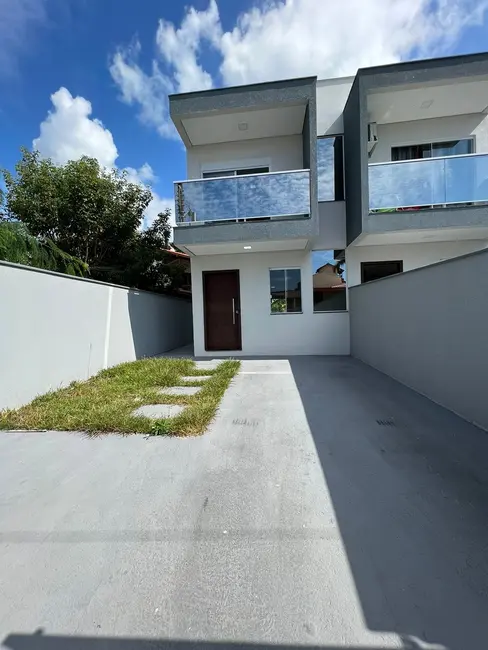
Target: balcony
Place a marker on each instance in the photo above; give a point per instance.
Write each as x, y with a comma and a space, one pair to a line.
275, 195
428, 183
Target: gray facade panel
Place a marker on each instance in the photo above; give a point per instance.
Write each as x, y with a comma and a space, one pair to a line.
427, 329
243, 97
250, 231
429, 71
356, 161
468, 216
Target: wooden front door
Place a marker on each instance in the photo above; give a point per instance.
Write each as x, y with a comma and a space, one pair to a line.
222, 310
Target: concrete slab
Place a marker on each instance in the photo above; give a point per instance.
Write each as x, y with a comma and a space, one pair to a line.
158, 411
180, 390
196, 378
212, 364
327, 507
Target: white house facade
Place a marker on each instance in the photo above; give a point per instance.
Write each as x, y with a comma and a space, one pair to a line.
299, 189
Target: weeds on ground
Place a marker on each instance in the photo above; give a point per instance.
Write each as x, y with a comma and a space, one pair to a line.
105, 402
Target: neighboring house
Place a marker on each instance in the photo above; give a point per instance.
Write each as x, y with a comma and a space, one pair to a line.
181, 260
387, 170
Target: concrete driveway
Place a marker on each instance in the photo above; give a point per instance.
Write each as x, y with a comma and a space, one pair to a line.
328, 506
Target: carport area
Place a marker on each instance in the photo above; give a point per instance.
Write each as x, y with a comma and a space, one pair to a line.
327, 507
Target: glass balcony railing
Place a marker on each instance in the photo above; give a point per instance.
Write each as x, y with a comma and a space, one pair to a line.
252, 196
428, 182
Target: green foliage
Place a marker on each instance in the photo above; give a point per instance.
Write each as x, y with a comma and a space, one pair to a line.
95, 215
106, 402
278, 305
161, 428
19, 246
90, 212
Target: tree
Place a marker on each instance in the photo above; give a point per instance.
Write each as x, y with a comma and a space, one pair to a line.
19, 246
95, 215
147, 263
88, 211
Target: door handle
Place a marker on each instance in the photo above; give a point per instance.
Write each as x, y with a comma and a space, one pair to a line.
233, 311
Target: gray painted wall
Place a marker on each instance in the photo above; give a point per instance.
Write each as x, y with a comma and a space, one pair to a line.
55, 329
427, 328
355, 154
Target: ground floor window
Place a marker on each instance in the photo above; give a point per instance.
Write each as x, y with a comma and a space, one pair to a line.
329, 284
376, 270
285, 291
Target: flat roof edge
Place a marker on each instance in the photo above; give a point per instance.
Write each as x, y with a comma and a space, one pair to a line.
261, 85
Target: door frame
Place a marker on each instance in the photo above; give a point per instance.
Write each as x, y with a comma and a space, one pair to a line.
205, 274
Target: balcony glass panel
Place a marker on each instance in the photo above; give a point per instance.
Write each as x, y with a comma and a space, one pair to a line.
428, 182
243, 197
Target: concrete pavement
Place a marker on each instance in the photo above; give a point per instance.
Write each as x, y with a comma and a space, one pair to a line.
327, 506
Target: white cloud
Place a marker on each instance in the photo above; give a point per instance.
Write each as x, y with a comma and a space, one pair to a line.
288, 38
147, 91
144, 174
68, 132
180, 47
18, 18
310, 37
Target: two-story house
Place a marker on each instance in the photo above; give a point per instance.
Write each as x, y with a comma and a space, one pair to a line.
297, 189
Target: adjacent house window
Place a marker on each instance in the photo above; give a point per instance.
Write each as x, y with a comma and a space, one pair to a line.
330, 168
376, 270
433, 150
329, 284
235, 172
285, 291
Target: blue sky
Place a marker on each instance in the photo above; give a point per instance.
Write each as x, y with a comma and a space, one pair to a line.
109, 64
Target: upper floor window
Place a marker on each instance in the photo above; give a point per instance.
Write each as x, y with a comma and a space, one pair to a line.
433, 150
235, 172
330, 168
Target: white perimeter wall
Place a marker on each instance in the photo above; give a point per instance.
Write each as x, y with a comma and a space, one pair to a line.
428, 329
279, 154
55, 329
262, 332
433, 130
413, 255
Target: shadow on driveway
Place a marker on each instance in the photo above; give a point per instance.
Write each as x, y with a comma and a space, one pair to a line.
409, 485
40, 641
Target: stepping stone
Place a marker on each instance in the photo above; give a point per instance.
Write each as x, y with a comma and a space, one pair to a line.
180, 390
196, 378
212, 364
158, 411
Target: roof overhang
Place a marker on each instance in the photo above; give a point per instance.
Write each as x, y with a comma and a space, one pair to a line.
240, 113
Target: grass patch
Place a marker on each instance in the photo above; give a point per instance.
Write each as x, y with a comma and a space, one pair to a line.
105, 402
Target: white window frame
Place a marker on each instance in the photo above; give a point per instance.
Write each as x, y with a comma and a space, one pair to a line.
285, 268
234, 165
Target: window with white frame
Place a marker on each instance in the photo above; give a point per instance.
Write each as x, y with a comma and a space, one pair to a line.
285, 291
236, 172
329, 284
